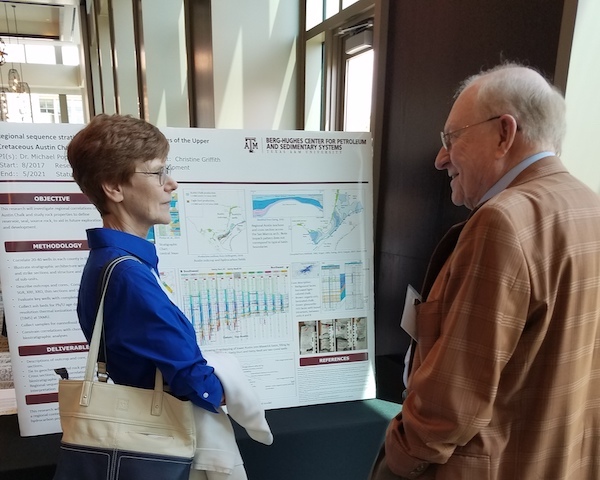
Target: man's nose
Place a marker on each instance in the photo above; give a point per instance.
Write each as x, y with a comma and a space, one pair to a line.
442, 159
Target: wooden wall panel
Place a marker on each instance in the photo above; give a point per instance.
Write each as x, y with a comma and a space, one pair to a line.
431, 46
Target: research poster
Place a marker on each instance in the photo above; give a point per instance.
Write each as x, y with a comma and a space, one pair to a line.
269, 253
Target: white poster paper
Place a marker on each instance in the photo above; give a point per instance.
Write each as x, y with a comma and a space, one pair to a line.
269, 254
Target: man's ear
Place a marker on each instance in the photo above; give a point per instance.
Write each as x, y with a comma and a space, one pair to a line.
113, 192
508, 131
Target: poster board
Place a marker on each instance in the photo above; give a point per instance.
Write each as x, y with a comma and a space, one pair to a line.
269, 254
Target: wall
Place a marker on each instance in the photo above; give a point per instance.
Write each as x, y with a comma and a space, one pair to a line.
42, 78
254, 61
164, 60
254, 57
114, 60
125, 59
166, 63
583, 96
431, 46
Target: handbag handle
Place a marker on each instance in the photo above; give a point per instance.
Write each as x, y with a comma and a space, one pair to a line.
92, 359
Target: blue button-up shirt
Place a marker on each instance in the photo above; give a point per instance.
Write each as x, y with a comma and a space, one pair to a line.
513, 173
144, 329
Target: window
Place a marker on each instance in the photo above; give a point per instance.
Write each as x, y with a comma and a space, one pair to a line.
314, 13
359, 83
75, 109
70, 54
43, 54
15, 52
46, 108
16, 107
42, 80
22, 105
47, 105
338, 64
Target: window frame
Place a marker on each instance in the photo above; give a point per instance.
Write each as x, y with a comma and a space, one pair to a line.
334, 61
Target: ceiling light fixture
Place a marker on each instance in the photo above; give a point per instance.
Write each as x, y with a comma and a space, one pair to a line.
15, 84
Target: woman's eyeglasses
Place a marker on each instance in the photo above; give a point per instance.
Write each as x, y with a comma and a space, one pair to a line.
161, 174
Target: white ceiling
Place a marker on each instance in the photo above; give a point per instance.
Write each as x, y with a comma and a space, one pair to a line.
40, 19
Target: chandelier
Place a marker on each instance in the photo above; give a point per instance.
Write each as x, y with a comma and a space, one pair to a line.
15, 83
3, 103
3, 52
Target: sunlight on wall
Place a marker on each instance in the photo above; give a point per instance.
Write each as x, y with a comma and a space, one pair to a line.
286, 95
166, 63
230, 110
254, 59
313, 81
583, 97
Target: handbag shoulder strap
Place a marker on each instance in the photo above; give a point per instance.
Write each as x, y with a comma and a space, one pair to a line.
92, 359
101, 371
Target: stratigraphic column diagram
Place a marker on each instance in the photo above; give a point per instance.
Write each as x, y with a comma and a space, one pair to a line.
237, 307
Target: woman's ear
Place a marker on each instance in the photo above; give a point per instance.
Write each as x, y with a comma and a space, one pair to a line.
113, 192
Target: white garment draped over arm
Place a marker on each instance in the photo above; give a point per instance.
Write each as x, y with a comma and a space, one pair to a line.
216, 448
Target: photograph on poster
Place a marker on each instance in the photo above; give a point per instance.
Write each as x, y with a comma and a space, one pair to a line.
335, 335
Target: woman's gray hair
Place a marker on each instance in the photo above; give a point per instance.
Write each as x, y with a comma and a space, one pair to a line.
537, 105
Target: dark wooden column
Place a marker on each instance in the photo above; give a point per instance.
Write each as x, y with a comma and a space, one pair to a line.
431, 45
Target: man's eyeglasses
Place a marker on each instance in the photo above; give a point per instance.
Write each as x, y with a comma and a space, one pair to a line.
161, 174
447, 137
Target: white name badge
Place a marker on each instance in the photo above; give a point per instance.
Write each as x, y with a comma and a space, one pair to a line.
409, 314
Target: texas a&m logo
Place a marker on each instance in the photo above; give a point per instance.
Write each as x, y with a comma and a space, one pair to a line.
251, 144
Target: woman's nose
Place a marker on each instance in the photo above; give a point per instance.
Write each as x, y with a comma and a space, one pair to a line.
171, 183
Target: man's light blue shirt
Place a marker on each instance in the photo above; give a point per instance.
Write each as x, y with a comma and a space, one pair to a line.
509, 176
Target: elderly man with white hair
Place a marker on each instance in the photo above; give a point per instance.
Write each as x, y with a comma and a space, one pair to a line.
504, 373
